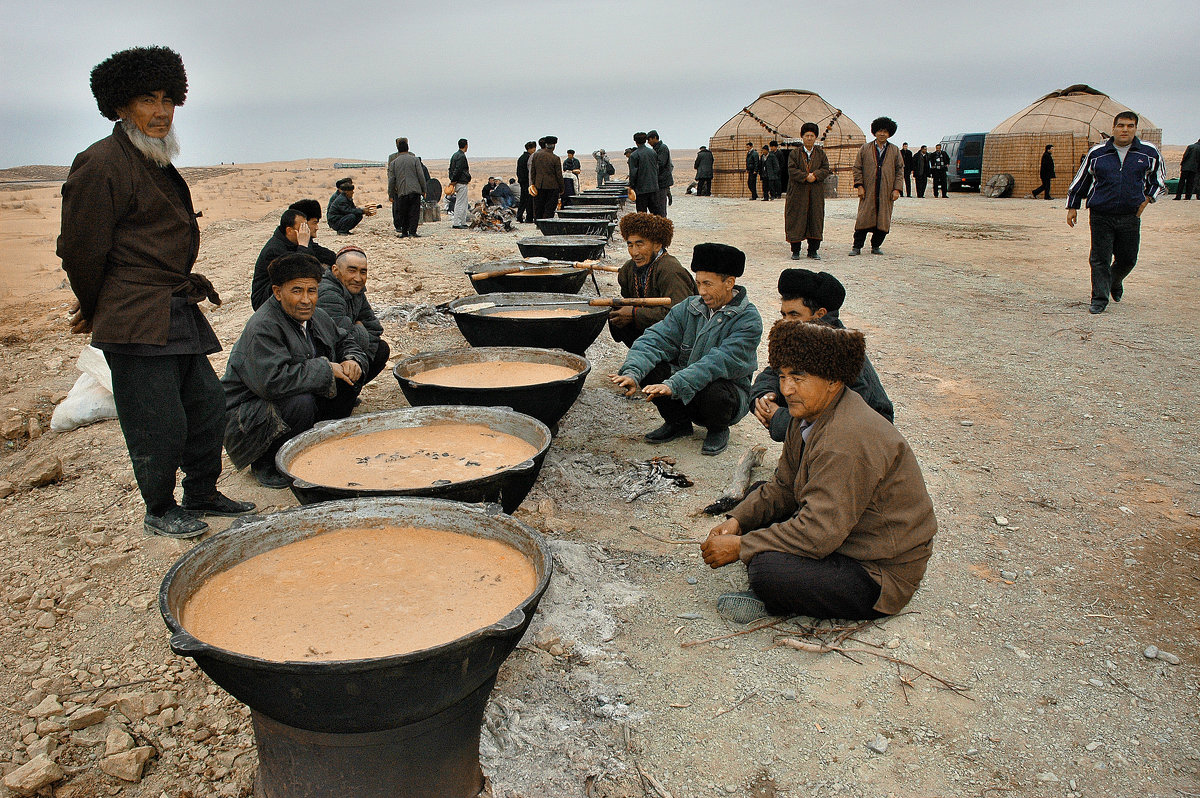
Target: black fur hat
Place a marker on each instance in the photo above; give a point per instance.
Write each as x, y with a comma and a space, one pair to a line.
821, 287
137, 71
719, 258
294, 266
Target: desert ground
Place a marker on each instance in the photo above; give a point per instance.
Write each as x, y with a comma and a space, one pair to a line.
1059, 449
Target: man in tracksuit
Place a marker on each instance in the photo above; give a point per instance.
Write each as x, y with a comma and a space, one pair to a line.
1119, 178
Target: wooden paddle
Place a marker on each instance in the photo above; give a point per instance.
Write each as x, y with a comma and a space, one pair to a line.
599, 302
541, 263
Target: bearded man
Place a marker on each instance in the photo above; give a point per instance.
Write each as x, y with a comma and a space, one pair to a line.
128, 244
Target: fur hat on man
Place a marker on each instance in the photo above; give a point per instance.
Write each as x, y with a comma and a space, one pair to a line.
139, 70
309, 207
345, 184
294, 266
720, 259
649, 226
828, 352
821, 287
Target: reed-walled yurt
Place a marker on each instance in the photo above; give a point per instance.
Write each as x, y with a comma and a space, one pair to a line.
779, 115
1073, 120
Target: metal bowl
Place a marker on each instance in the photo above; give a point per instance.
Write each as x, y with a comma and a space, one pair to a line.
572, 248
608, 212
508, 487
572, 333
574, 200
562, 277
587, 226
548, 402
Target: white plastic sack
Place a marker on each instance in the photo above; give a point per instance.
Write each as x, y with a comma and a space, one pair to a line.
90, 399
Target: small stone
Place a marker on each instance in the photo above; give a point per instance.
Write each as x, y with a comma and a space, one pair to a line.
689, 616
879, 745
6, 489
43, 746
790, 695
45, 620
33, 429
39, 772
48, 706
1151, 652
128, 765
1001, 521
48, 726
894, 643
1027, 572
691, 580
1046, 777
110, 562
1093, 745
1170, 659
84, 717
967, 423
12, 428
1011, 576
41, 471
555, 650
1072, 785
132, 707
1095, 683
118, 741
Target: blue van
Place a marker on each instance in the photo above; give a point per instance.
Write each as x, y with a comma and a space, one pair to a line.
966, 159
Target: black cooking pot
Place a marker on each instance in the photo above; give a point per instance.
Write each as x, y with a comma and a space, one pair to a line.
578, 200
548, 402
508, 487
585, 226
563, 277
607, 212
572, 248
403, 726
572, 333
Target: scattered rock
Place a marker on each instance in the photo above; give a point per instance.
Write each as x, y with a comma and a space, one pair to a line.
12, 428
128, 765
1170, 659
967, 423
879, 745
691, 580
6, 489
1009, 575
1151, 652
33, 429
1046, 777
84, 717
118, 741
43, 746
790, 695
1095, 683
39, 772
40, 471
48, 706
1001, 521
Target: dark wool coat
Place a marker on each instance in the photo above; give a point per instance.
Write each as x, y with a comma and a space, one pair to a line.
704, 165
667, 278
352, 313
920, 164
523, 170
1191, 158
272, 361
128, 242
875, 208
770, 166
804, 209
341, 208
1047, 168
643, 170
666, 169
752, 162
278, 244
854, 488
546, 171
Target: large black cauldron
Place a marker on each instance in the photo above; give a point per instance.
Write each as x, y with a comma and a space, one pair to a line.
573, 248
559, 277
572, 333
404, 726
583, 200
508, 487
607, 212
548, 402
585, 226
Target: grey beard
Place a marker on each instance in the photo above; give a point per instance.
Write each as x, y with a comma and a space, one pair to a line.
160, 151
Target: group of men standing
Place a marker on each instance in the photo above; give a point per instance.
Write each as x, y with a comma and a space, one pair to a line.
651, 173
764, 167
541, 175
921, 166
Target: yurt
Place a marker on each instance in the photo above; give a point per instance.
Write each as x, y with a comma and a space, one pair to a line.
1073, 120
778, 115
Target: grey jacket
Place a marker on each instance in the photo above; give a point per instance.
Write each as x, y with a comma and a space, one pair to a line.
643, 170
666, 169
405, 176
350, 312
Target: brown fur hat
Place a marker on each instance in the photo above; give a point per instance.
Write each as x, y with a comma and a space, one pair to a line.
137, 71
819, 349
658, 229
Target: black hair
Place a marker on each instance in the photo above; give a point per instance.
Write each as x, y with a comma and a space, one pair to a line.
652, 134
529, 144
883, 123
1126, 115
639, 139
401, 145
462, 143
290, 216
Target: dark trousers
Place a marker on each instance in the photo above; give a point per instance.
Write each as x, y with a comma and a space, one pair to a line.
406, 213
834, 587
908, 182
713, 407
1044, 188
382, 353
172, 413
939, 182
647, 201
752, 182
525, 208
346, 224
659, 200
1187, 182
813, 245
1115, 242
704, 187
302, 411
545, 203
922, 181
877, 236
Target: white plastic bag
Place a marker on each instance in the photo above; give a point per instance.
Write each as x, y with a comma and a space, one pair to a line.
90, 399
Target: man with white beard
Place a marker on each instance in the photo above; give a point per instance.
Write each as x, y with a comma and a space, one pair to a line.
129, 241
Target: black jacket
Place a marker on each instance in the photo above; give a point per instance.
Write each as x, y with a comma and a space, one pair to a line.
459, 171
752, 162
1047, 170
278, 244
523, 170
704, 165
571, 164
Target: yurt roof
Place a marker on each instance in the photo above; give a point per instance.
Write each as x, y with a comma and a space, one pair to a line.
783, 111
1078, 109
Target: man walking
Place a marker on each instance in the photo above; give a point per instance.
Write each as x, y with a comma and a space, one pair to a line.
939, 162
1187, 171
704, 172
460, 178
546, 179
406, 187
128, 244
907, 155
666, 172
1119, 178
752, 169
1046, 172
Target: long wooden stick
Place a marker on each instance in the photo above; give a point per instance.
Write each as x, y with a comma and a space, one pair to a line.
822, 648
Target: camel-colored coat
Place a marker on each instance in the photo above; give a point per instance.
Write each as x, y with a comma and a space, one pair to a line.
875, 208
804, 210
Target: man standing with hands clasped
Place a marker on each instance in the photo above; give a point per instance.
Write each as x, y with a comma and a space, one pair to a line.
1119, 178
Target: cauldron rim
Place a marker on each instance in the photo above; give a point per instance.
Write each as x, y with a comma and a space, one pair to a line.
184, 643
556, 354
286, 452
568, 266
511, 299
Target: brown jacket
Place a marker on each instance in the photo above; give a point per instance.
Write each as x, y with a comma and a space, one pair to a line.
545, 170
667, 278
804, 209
854, 488
129, 240
875, 208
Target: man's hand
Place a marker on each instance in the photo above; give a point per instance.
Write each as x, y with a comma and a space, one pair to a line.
765, 408
862, 192
895, 194
303, 233
1071, 214
723, 545
77, 323
655, 391
627, 384
347, 371
621, 317
369, 210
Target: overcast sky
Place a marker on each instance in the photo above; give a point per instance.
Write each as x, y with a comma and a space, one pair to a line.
343, 79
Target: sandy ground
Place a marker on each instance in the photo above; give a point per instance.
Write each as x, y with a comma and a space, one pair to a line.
1078, 431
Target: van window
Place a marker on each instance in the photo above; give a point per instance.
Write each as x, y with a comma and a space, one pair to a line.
972, 149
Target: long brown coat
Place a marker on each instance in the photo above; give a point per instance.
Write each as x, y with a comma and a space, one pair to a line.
854, 488
804, 210
667, 278
875, 208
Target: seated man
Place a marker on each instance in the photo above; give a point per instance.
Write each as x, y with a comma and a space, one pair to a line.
343, 214
844, 528
806, 296
502, 195
650, 271
294, 234
696, 364
342, 294
291, 368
